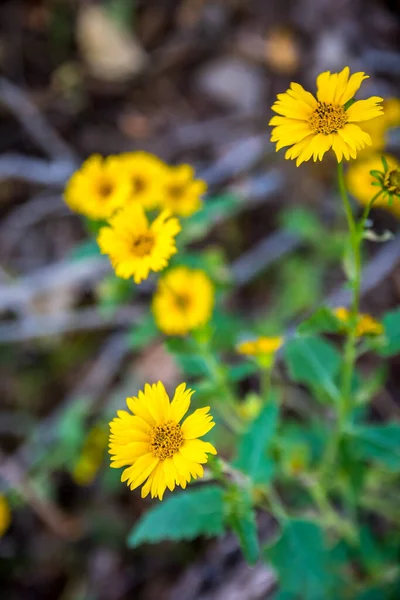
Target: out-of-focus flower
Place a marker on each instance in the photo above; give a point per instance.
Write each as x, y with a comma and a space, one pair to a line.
182, 192
362, 185
281, 51
91, 457
183, 301
5, 515
158, 451
313, 126
135, 246
98, 188
260, 346
366, 325
250, 408
378, 128
146, 174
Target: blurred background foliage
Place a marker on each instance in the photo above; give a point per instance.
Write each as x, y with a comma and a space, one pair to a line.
190, 81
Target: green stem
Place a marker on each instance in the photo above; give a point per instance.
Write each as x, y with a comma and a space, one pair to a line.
226, 405
265, 383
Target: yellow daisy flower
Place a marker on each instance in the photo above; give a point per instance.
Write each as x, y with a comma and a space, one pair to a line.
158, 450
183, 301
261, 346
5, 515
98, 188
359, 182
146, 174
135, 246
366, 325
182, 192
312, 126
379, 127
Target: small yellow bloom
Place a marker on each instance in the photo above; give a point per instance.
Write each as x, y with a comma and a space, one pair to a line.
135, 246
250, 408
146, 174
260, 346
91, 458
158, 450
5, 515
366, 325
183, 301
98, 188
359, 182
182, 192
313, 126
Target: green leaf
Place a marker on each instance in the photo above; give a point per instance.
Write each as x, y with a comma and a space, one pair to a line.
380, 443
88, 249
314, 362
187, 356
302, 562
321, 321
245, 527
252, 451
142, 334
183, 516
214, 210
242, 370
391, 323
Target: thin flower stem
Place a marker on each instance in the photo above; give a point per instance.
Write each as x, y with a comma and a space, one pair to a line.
356, 230
227, 403
265, 382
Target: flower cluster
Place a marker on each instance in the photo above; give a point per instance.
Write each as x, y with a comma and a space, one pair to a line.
366, 325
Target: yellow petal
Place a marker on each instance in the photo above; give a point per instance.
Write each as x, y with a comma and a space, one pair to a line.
180, 402
197, 424
363, 110
351, 88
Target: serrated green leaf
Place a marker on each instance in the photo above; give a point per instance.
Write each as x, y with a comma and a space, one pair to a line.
183, 516
314, 362
391, 323
380, 443
323, 320
302, 561
254, 444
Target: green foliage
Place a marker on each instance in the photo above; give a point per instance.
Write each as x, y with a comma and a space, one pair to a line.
391, 323
183, 516
378, 443
253, 446
242, 519
88, 249
214, 210
303, 562
322, 321
143, 333
314, 362
187, 355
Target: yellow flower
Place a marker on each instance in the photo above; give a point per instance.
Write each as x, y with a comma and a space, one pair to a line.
98, 188
366, 325
391, 109
313, 126
5, 515
135, 246
359, 182
379, 126
91, 458
146, 174
182, 193
250, 408
159, 451
260, 346
183, 301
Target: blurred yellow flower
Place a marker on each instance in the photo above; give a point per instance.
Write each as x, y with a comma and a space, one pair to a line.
313, 126
98, 188
182, 192
359, 182
5, 515
250, 408
183, 301
378, 127
261, 346
366, 325
281, 51
146, 174
135, 246
91, 458
159, 451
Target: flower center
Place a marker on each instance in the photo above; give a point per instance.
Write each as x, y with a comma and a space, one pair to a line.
175, 192
392, 181
105, 188
143, 244
327, 118
166, 439
182, 301
138, 184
